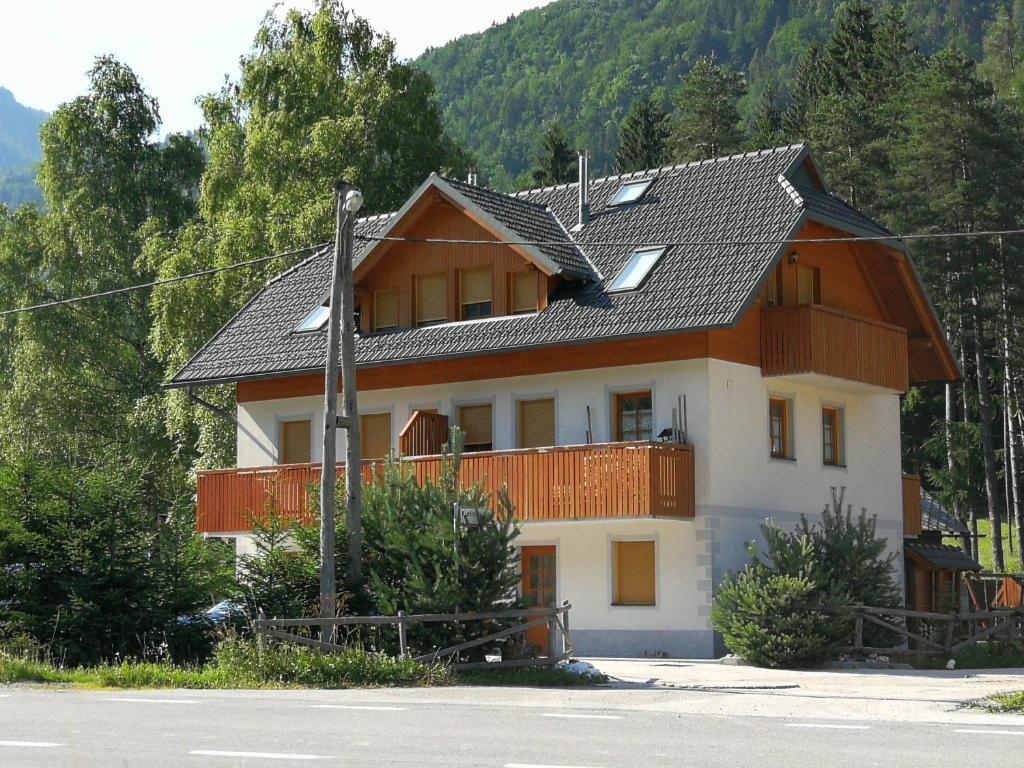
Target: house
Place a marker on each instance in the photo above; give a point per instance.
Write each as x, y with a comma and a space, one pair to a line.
934, 570
654, 363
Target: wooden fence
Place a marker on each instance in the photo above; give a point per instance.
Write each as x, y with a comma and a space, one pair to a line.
423, 434
555, 617
813, 339
928, 632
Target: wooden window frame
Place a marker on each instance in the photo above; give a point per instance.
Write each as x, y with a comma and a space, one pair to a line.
282, 442
617, 397
376, 315
616, 576
835, 443
512, 276
416, 300
787, 428
489, 302
519, 419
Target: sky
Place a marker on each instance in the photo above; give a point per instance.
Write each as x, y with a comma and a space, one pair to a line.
184, 48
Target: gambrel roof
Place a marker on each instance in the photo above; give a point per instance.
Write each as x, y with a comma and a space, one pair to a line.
753, 201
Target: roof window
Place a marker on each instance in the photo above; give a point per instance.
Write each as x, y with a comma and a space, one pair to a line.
636, 269
630, 192
316, 319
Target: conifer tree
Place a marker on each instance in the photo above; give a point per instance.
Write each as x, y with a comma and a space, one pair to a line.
767, 128
707, 120
807, 87
554, 161
643, 136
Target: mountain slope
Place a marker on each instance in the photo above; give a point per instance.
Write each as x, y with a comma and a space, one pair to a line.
19, 150
583, 61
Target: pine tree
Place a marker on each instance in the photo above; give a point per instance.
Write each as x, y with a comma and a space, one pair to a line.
767, 128
806, 90
707, 121
643, 136
554, 161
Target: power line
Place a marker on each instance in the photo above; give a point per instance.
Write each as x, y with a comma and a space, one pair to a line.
156, 283
680, 243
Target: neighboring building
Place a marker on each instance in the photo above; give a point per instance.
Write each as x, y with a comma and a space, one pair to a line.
934, 570
648, 405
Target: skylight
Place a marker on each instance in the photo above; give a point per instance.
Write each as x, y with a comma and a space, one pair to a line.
630, 192
636, 269
317, 319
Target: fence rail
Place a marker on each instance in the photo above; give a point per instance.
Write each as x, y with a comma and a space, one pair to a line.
933, 632
555, 617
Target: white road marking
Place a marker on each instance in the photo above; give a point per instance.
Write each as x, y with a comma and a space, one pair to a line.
582, 717
257, 755
997, 733
367, 707
40, 744
540, 765
134, 700
829, 725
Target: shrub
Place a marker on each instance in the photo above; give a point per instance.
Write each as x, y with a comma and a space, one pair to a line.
776, 619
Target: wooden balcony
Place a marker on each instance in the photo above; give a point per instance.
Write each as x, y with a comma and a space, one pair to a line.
811, 339
911, 505
612, 480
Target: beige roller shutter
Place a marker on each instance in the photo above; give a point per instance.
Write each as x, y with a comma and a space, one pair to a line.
536, 423
431, 299
475, 421
296, 441
375, 435
523, 292
385, 309
634, 572
476, 285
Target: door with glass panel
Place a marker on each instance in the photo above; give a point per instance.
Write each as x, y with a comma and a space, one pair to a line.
538, 564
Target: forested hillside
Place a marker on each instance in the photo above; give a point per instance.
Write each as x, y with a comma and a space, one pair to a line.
19, 150
584, 61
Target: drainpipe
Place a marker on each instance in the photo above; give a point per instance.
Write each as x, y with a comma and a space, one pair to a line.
584, 189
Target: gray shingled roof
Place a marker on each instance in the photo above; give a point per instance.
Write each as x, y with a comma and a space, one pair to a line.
934, 517
697, 286
943, 557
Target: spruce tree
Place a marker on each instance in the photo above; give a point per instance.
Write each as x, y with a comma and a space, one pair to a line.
643, 136
554, 161
807, 87
707, 121
767, 128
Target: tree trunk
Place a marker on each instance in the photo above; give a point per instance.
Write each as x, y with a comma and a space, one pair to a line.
988, 450
951, 459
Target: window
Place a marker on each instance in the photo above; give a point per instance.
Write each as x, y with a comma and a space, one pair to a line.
475, 293
778, 428
775, 287
375, 435
475, 421
636, 269
536, 423
431, 299
633, 416
295, 441
630, 192
316, 319
808, 285
522, 291
385, 309
634, 573
832, 436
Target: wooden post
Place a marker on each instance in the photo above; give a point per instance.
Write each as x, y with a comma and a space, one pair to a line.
858, 629
552, 636
565, 626
949, 631
260, 618
402, 647
353, 456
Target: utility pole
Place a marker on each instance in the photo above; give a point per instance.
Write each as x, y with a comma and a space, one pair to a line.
340, 340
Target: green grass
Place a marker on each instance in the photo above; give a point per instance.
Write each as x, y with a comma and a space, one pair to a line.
1012, 562
1007, 702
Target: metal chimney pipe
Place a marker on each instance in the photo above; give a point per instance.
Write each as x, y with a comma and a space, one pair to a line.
584, 188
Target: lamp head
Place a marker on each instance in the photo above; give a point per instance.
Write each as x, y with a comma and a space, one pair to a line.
353, 200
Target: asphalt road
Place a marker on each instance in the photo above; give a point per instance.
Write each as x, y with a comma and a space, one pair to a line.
495, 727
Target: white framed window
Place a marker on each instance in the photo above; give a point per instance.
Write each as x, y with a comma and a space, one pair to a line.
316, 319
636, 269
630, 192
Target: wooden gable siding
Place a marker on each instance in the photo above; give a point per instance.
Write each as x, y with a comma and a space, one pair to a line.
395, 265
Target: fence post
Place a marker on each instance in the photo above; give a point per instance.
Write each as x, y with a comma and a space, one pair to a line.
401, 634
858, 629
953, 617
552, 639
260, 618
565, 626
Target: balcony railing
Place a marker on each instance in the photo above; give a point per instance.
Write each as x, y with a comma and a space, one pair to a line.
813, 339
911, 505
612, 480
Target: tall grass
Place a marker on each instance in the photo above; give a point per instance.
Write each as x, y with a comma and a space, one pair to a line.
1012, 562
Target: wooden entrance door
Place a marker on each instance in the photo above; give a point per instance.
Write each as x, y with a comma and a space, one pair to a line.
538, 565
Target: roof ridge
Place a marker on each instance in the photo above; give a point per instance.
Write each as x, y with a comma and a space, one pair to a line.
663, 168
490, 190
572, 240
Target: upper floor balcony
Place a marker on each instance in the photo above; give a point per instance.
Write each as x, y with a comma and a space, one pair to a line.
611, 480
809, 339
